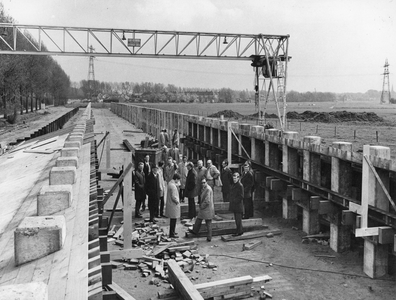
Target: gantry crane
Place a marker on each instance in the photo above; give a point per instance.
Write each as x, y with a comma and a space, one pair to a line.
268, 53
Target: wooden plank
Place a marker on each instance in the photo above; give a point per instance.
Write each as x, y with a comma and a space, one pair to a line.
225, 231
367, 231
120, 179
230, 224
127, 253
181, 282
121, 293
127, 194
251, 245
250, 235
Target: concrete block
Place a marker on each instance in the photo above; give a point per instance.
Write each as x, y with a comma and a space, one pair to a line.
68, 161
62, 175
67, 152
54, 198
78, 131
38, 236
72, 144
27, 291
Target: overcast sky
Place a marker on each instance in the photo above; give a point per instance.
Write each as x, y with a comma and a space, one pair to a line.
336, 45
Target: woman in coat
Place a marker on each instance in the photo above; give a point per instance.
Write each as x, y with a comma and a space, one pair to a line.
190, 190
206, 210
172, 208
236, 202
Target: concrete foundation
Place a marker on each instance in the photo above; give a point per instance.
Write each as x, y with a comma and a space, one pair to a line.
62, 175
67, 152
375, 259
54, 198
38, 236
68, 161
72, 144
27, 291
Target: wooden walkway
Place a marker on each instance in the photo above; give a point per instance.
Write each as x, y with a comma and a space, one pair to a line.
23, 175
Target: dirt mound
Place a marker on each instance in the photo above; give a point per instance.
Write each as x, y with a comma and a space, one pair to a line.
334, 117
227, 114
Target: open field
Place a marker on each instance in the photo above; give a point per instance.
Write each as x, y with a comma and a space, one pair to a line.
358, 133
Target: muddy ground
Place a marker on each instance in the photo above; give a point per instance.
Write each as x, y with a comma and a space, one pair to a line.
297, 270
297, 273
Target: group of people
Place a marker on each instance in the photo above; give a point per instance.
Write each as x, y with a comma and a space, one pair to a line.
166, 185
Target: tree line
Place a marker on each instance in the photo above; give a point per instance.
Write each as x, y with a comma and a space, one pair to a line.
26, 81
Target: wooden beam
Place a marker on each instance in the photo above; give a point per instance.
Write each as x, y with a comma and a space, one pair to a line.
385, 235
348, 217
121, 293
127, 194
127, 253
118, 182
326, 207
379, 181
181, 282
367, 231
277, 185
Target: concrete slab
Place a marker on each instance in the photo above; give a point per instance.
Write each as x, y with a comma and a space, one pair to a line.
54, 198
71, 161
62, 175
71, 151
38, 236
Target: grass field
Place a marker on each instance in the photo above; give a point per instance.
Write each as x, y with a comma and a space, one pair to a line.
358, 133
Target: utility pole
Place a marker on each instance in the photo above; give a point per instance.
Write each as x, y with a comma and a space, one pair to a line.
91, 74
385, 84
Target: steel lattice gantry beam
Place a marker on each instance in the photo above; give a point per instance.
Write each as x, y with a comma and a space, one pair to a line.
59, 40
267, 52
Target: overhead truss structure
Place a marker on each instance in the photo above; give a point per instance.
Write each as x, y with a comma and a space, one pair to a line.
108, 42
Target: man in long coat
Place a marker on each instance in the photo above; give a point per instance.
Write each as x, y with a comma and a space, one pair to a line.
169, 170
201, 173
172, 208
226, 179
153, 190
140, 192
247, 181
236, 202
182, 171
190, 190
206, 210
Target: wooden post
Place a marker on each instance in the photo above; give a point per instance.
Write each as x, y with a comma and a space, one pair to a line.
127, 203
290, 161
108, 164
375, 260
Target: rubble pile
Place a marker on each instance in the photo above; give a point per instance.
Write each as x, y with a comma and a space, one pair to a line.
159, 248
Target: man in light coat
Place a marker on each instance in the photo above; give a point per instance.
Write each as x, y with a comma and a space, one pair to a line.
212, 173
182, 171
201, 173
170, 170
206, 210
172, 209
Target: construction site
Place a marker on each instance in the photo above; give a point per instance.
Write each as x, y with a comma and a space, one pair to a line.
324, 218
